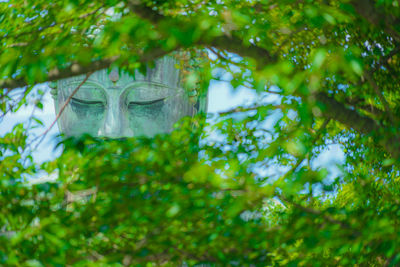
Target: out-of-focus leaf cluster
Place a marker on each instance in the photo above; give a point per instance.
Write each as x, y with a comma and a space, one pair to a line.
241, 190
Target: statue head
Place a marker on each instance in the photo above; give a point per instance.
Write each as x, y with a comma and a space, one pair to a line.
115, 104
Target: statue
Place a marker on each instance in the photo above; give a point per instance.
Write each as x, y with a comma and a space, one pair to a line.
115, 104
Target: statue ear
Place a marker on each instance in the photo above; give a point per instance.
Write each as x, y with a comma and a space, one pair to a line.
202, 102
199, 101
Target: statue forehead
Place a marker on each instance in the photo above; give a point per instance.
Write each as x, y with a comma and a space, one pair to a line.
164, 72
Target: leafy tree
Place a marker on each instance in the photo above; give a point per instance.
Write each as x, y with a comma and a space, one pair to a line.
182, 199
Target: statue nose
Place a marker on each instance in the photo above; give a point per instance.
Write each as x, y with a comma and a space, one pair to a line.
113, 124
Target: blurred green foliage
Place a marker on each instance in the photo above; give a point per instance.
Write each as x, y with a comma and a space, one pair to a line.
189, 198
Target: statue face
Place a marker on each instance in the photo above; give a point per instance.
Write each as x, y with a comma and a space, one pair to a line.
118, 105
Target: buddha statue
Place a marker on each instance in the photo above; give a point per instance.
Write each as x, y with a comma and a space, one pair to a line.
115, 104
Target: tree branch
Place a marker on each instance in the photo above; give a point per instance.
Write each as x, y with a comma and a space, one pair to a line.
56, 74
367, 10
338, 111
237, 46
77, 69
231, 44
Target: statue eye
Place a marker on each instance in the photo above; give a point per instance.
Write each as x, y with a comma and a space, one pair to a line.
92, 103
150, 103
146, 109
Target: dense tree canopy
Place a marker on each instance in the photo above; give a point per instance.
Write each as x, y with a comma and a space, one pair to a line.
187, 198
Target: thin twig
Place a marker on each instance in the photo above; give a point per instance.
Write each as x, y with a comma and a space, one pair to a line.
15, 103
43, 135
33, 112
249, 87
29, 125
384, 59
221, 54
246, 109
